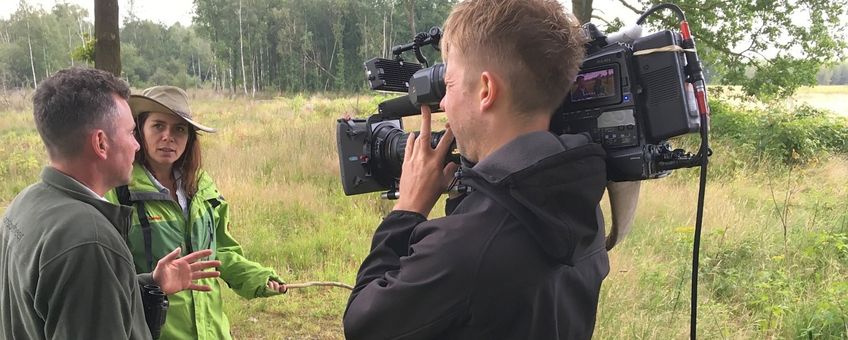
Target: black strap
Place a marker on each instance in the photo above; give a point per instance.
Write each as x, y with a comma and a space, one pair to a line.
123, 193
124, 198
146, 233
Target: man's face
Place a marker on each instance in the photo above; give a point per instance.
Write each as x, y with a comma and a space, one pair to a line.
460, 104
123, 145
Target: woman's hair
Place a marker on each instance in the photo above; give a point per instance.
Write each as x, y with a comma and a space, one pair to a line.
188, 163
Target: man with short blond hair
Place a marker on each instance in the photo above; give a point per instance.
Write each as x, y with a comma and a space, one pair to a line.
522, 255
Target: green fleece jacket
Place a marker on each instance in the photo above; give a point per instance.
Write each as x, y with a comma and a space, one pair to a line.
193, 315
65, 269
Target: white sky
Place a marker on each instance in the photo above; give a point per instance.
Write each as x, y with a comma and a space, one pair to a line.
169, 12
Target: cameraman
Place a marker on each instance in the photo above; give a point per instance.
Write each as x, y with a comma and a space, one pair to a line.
522, 255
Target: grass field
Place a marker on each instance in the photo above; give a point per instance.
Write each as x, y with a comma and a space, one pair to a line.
825, 97
774, 259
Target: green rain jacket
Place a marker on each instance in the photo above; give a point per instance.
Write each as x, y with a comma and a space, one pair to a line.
193, 315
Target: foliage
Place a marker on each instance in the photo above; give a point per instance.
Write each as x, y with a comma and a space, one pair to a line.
36, 43
833, 74
796, 134
296, 46
289, 46
85, 52
769, 47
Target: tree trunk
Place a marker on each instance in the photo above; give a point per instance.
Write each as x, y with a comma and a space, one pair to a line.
241, 53
412, 17
253, 75
31, 59
582, 9
385, 47
70, 47
107, 46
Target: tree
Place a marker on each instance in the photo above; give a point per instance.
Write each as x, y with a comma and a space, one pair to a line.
825, 76
582, 10
784, 42
107, 50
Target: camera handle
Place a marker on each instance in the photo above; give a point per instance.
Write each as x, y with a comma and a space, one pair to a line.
432, 37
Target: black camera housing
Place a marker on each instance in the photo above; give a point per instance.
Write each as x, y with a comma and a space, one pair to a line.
362, 146
646, 101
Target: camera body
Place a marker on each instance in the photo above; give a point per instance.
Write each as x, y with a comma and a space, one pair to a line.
631, 103
629, 97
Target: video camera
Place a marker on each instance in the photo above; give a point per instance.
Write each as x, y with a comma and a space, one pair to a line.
371, 150
631, 95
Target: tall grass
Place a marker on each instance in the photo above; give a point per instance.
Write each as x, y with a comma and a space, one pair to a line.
275, 162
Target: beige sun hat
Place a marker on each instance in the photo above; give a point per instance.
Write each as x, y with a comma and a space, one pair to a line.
165, 99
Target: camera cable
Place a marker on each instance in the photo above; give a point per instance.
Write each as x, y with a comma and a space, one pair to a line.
696, 78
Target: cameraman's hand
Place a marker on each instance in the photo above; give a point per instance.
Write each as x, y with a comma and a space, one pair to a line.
424, 176
174, 273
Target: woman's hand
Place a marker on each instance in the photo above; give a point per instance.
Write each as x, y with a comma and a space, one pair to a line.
277, 287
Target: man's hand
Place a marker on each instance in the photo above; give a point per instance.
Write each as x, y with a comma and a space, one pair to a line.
424, 176
174, 273
276, 286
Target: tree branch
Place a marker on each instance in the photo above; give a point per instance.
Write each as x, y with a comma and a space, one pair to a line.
631, 7
601, 19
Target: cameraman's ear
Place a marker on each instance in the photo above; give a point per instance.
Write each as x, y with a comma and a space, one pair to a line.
489, 91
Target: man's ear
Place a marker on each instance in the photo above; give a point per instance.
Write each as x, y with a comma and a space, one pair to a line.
490, 90
99, 143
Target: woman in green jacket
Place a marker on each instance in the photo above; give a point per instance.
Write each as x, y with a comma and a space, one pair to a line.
181, 207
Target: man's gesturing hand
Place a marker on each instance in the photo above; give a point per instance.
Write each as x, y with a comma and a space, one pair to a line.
174, 273
424, 175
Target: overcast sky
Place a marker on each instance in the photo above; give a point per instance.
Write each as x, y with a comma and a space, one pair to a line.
169, 12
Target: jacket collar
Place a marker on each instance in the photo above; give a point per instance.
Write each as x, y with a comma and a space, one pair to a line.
523, 152
117, 215
142, 187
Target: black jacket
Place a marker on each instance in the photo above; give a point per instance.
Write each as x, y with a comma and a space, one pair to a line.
520, 257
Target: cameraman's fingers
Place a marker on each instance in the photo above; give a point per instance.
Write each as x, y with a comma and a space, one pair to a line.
201, 265
449, 172
444, 144
425, 125
204, 275
410, 148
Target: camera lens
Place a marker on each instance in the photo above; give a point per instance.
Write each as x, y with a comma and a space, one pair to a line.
389, 147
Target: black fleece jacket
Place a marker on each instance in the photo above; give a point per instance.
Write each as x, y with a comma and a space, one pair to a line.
519, 257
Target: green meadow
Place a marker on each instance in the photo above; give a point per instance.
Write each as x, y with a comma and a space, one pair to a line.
774, 254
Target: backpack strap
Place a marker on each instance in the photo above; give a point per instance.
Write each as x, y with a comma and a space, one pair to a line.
123, 193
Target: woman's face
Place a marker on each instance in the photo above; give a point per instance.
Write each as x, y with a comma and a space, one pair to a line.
165, 138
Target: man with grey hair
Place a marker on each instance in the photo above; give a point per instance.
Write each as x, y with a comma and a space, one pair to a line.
65, 269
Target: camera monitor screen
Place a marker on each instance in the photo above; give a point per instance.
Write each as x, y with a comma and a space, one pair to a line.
593, 85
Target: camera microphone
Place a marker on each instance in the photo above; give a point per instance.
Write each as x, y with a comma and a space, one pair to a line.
625, 35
